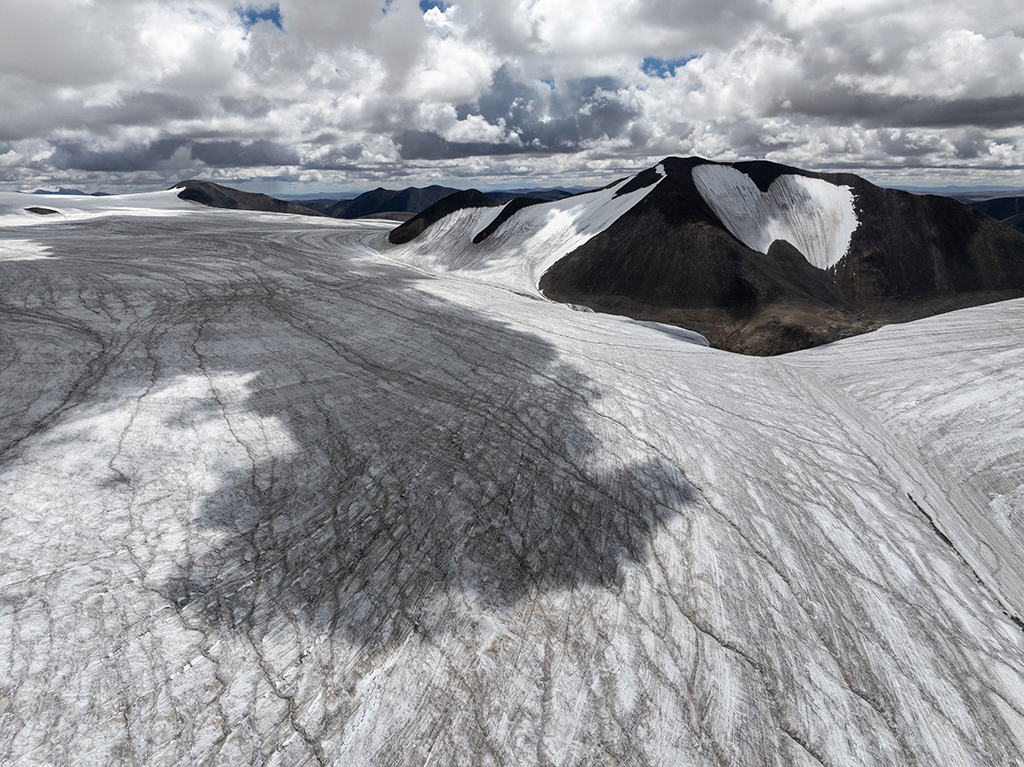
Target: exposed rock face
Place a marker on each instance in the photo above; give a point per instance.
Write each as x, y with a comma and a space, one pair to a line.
217, 196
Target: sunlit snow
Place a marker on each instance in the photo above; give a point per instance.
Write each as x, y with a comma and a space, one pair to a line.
275, 491
816, 217
525, 246
73, 207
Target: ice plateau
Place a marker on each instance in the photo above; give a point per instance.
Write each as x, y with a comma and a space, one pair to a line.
275, 491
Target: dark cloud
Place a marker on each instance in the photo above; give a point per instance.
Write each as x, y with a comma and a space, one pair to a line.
421, 145
236, 154
908, 145
148, 108
842, 104
573, 112
155, 155
136, 158
991, 112
972, 146
337, 158
255, 107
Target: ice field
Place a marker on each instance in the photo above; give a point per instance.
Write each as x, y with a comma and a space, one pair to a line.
273, 491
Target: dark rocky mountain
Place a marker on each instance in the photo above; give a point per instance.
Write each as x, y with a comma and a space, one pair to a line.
1000, 208
1009, 210
887, 256
217, 196
471, 198
1017, 222
70, 191
380, 200
672, 259
546, 195
406, 203
62, 190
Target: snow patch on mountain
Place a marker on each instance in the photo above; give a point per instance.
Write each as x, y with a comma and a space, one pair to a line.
813, 215
525, 246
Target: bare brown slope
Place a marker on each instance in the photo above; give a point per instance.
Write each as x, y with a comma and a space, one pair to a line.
217, 196
670, 259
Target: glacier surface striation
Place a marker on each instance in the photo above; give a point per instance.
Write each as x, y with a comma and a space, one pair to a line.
275, 492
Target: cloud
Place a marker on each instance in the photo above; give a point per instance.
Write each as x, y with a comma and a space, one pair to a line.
147, 89
79, 157
237, 154
419, 145
174, 155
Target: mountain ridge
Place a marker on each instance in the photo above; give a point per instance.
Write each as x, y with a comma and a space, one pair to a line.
218, 196
744, 283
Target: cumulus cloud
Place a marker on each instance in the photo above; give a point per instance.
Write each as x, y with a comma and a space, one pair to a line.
123, 93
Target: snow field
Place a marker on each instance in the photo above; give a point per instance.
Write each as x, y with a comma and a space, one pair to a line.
816, 217
271, 495
73, 207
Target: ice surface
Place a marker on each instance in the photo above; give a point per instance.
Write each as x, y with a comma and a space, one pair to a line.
947, 390
268, 495
814, 216
22, 250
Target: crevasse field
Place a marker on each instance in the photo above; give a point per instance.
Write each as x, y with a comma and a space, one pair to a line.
273, 491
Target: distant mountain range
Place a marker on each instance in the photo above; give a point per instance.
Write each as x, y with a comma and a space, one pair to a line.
398, 205
1009, 210
66, 190
760, 258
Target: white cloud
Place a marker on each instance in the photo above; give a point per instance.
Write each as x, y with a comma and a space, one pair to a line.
127, 92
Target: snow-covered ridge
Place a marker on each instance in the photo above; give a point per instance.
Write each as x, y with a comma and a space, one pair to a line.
526, 245
14, 205
814, 216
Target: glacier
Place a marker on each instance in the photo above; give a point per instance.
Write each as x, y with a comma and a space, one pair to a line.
274, 491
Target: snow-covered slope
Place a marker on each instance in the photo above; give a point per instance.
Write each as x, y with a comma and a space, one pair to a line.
14, 206
813, 215
268, 496
948, 391
524, 246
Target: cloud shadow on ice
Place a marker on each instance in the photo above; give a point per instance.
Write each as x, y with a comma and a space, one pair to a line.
438, 456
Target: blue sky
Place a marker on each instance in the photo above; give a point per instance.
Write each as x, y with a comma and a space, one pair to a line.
652, 66
250, 16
